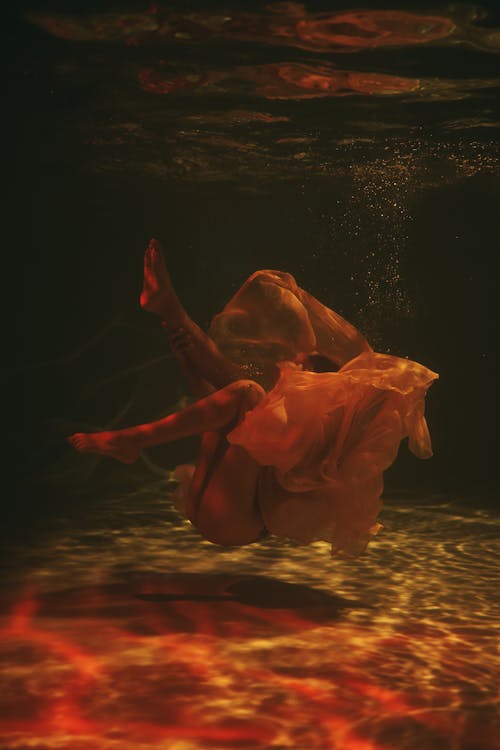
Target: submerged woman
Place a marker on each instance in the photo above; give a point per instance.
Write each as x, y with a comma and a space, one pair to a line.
298, 416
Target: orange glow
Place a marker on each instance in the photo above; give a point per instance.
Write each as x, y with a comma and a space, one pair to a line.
329, 82
157, 84
99, 664
291, 26
278, 81
371, 28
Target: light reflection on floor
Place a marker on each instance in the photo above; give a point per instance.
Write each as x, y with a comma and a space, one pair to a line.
127, 631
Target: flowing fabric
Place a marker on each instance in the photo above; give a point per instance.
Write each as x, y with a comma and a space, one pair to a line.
327, 438
323, 439
271, 319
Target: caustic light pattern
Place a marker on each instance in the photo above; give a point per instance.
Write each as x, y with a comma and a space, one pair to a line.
271, 646
104, 667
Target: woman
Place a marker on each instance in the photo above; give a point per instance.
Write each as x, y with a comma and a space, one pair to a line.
298, 416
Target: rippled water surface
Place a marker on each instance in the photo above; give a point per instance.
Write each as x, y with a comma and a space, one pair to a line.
259, 92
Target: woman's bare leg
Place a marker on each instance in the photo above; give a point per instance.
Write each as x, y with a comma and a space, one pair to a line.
220, 410
159, 297
222, 500
180, 342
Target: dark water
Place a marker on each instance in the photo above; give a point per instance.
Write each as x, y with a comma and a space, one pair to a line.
358, 150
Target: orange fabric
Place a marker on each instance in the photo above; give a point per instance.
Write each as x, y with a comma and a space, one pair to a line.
326, 438
271, 319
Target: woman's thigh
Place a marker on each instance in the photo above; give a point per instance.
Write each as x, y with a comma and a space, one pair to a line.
222, 501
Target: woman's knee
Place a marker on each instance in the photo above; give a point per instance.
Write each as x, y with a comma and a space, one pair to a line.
249, 391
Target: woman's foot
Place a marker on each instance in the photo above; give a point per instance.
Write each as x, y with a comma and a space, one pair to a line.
158, 295
125, 448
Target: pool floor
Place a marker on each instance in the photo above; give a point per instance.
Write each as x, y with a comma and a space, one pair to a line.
124, 629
